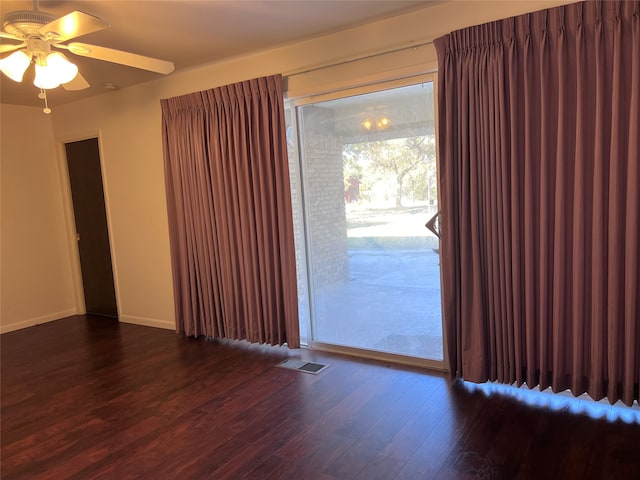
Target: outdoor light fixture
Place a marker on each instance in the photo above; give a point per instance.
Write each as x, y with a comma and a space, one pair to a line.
383, 123
367, 124
380, 124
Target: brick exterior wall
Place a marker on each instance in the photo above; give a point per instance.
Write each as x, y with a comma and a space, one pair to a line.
325, 197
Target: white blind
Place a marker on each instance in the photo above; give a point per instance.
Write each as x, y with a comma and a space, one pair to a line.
388, 66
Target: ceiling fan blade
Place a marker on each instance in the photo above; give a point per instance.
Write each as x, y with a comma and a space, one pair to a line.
10, 48
72, 25
123, 58
10, 36
78, 83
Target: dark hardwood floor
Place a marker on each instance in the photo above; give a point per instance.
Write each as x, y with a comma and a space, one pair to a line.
87, 398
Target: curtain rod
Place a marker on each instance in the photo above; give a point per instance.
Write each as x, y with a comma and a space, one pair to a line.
355, 59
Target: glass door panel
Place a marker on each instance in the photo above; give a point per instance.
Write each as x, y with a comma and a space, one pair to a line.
370, 186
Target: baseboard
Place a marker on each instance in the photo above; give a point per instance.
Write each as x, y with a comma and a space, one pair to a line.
10, 327
147, 322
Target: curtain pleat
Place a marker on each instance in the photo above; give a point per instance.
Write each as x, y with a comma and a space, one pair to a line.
539, 120
230, 216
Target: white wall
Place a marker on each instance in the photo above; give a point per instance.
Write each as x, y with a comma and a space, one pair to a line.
129, 124
36, 265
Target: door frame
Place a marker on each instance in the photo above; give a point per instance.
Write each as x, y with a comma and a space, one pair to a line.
70, 223
438, 365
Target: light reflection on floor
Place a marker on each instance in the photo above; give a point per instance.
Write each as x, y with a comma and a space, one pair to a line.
562, 401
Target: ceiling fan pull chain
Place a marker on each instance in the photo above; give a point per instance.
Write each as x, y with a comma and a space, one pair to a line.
43, 95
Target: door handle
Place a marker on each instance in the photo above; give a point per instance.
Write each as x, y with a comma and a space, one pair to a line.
434, 224
77, 237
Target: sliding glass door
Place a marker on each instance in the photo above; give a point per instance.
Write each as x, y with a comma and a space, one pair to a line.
367, 187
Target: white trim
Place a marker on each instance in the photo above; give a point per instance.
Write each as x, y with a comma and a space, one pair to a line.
70, 225
365, 72
395, 358
436, 116
362, 90
360, 56
306, 225
295, 175
107, 206
327, 95
148, 322
51, 317
70, 214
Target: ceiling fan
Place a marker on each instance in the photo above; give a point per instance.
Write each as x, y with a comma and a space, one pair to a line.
40, 35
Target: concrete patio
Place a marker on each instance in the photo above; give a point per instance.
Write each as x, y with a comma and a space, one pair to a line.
391, 301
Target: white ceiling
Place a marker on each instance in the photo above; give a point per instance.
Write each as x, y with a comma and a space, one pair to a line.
191, 33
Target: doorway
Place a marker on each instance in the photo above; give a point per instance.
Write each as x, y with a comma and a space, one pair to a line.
85, 178
369, 184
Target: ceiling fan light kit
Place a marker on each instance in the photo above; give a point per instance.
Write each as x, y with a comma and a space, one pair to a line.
37, 32
15, 65
52, 68
54, 71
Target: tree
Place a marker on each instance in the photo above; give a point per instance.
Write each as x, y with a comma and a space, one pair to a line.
403, 158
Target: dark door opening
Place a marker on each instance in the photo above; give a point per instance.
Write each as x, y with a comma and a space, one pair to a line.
85, 177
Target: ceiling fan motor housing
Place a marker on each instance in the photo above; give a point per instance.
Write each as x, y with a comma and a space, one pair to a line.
25, 23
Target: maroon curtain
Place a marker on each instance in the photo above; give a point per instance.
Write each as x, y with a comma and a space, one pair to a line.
230, 217
539, 119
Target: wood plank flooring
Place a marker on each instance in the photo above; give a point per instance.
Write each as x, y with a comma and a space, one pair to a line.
87, 397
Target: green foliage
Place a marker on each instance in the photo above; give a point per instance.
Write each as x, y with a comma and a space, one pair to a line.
408, 163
